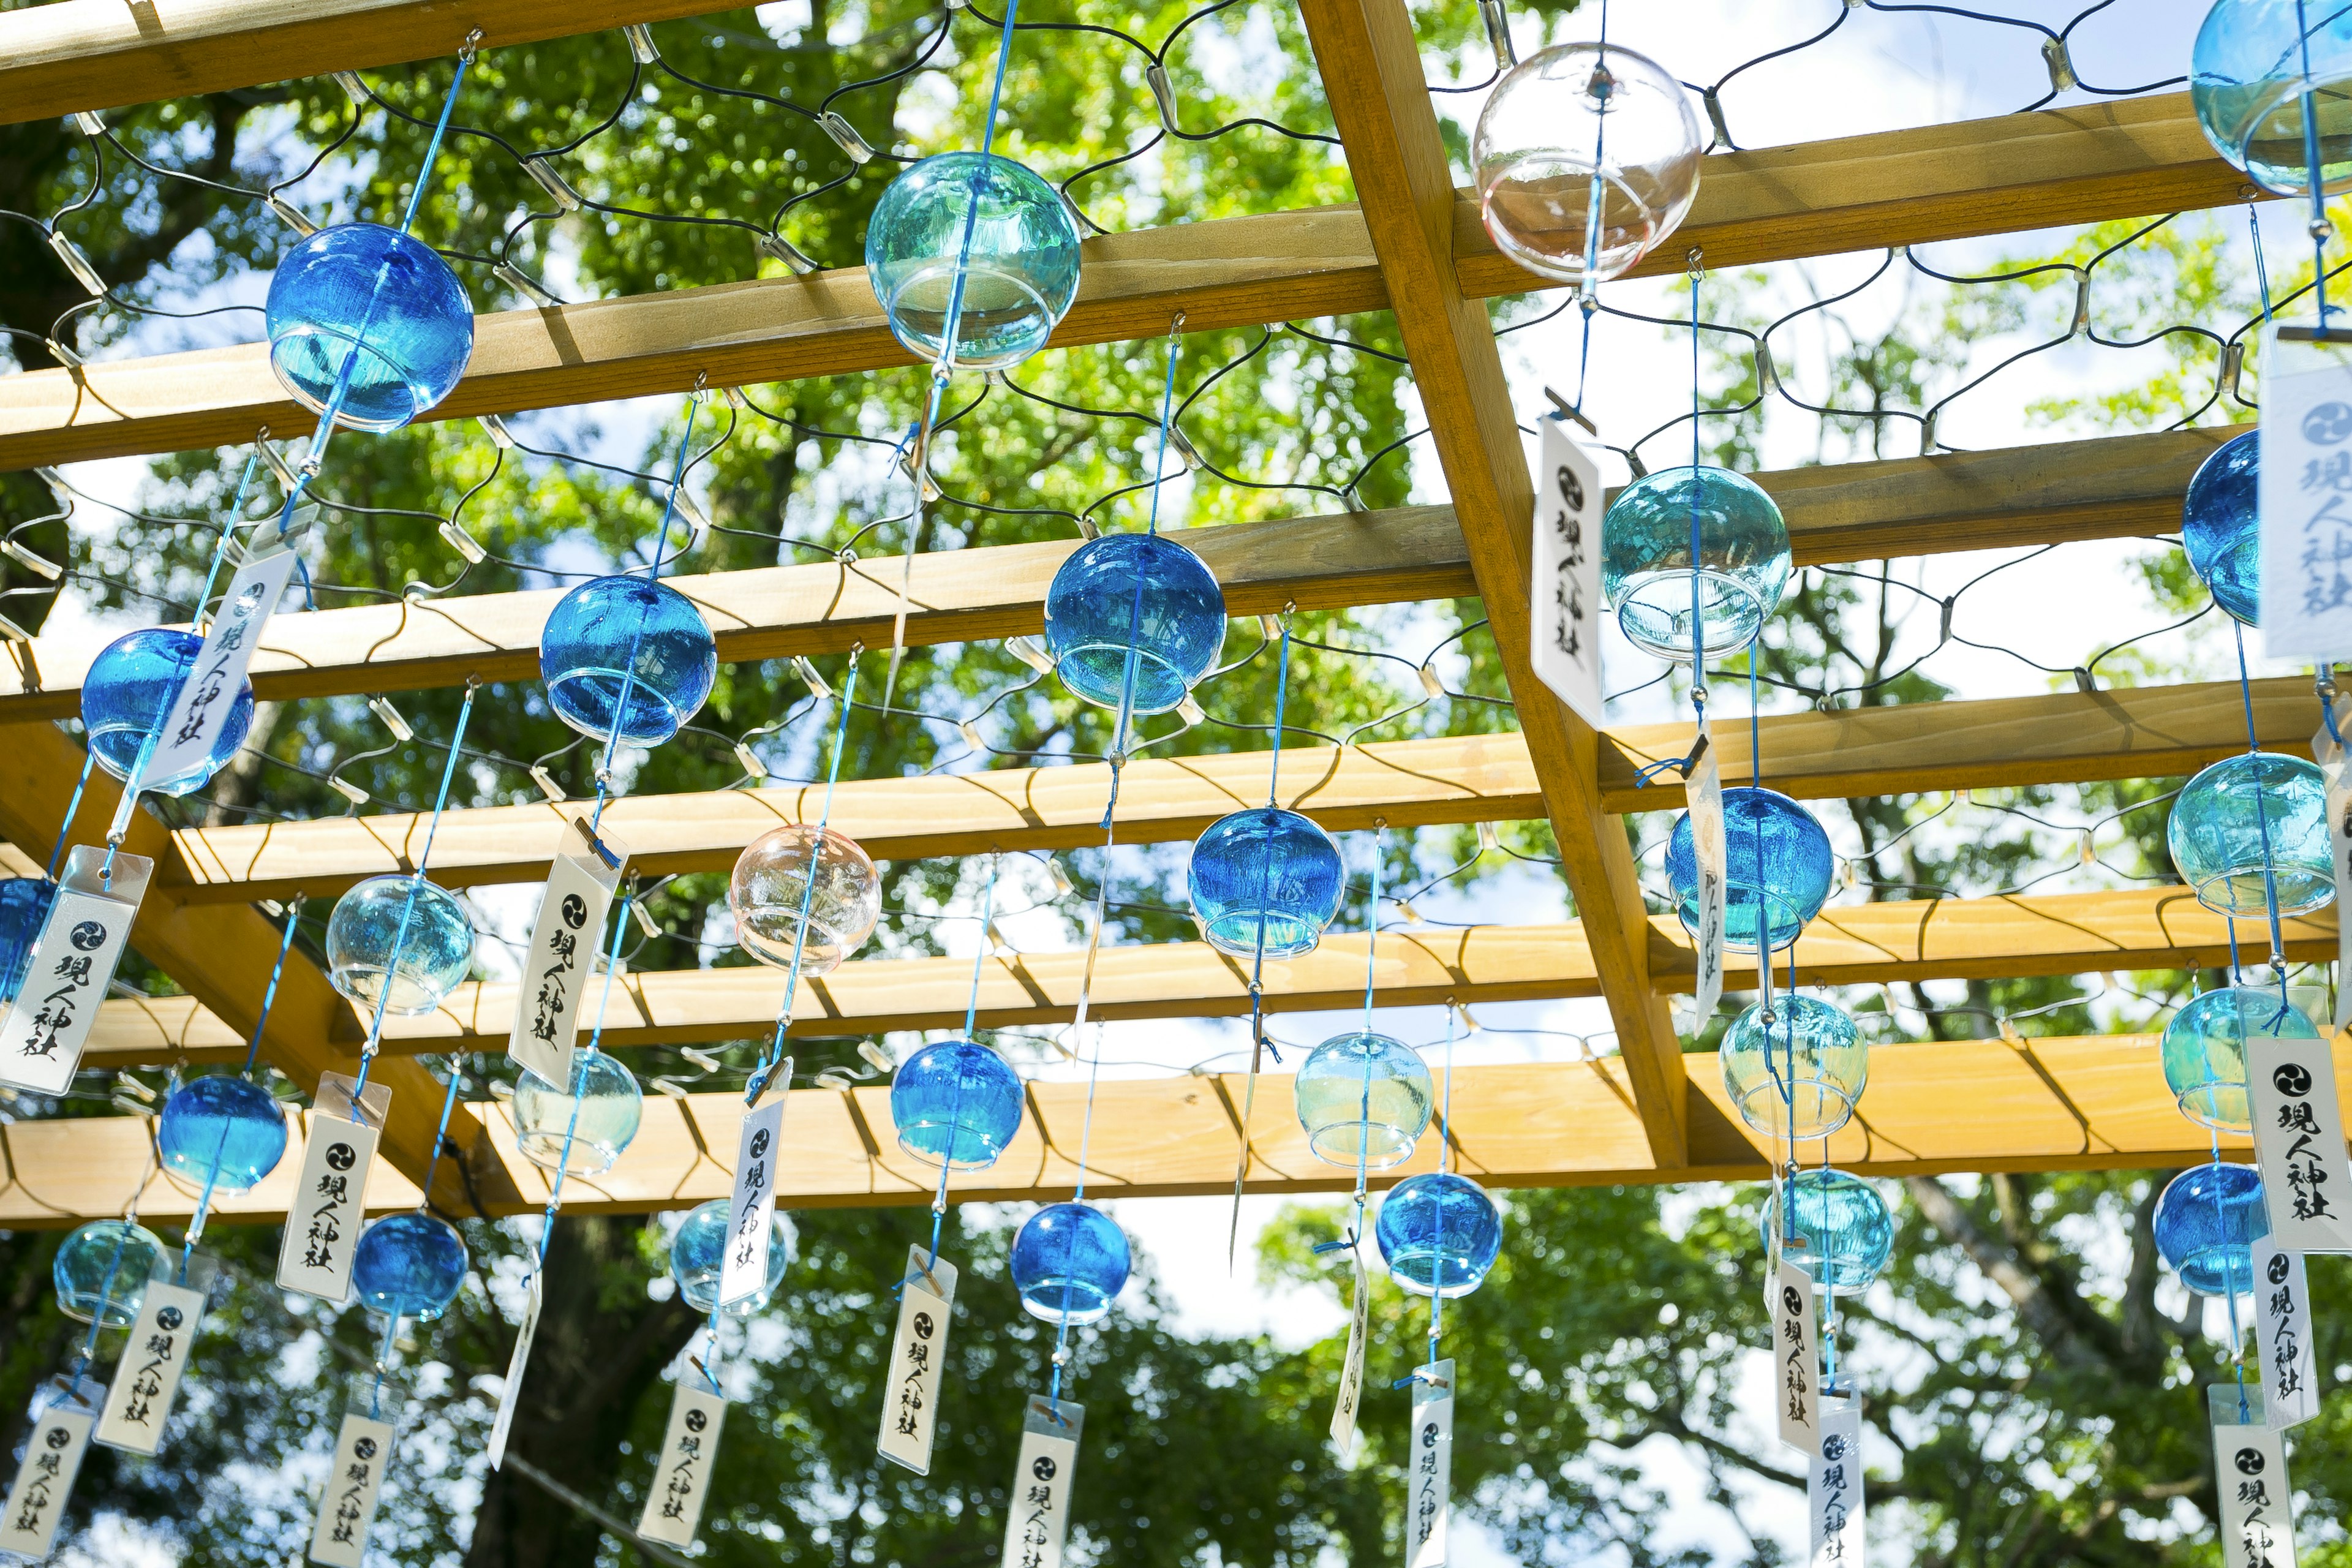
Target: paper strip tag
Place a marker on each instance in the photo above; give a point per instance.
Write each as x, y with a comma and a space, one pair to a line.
1351, 1371
148, 1378
752, 1207
322, 1222
347, 1507
502, 1426
1703, 792
1038, 1509
1428, 1467
2305, 496
2299, 1142
910, 1399
53, 1451
2289, 1366
1796, 1359
1833, 1486
208, 695
564, 942
73, 963
690, 1447
2257, 1524
2334, 767
1566, 582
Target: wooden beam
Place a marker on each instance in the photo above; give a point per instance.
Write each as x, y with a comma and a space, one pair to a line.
2091, 1102
1373, 75
1232, 272
2063, 738
1403, 553
101, 53
222, 957
1852, 945
2118, 158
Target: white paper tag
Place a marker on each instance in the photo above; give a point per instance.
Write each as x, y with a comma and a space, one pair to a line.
1038, 1509
1428, 1467
910, 1399
564, 942
2333, 764
73, 963
1351, 1371
2299, 1142
347, 1507
148, 1377
208, 695
2290, 1368
682, 1475
502, 1425
1703, 793
1566, 582
1833, 1486
322, 1222
1796, 1359
2304, 494
2257, 1526
53, 1451
752, 1207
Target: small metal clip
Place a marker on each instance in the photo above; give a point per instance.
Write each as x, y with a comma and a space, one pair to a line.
846, 137
1163, 93
88, 122
749, 760
524, 284
351, 85
972, 735
1499, 32
2061, 64
1430, 683
809, 677
1184, 447
496, 429
292, 216
835, 1079
1715, 117
38, 564
382, 708
641, 43
1031, 652
77, 263
645, 918
2084, 682
552, 182
790, 255
1354, 501
132, 1085
546, 783
1768, 374
2233, 363
278, 464
1190, 712
1927, 434
349, 791
463, 543
2082, 322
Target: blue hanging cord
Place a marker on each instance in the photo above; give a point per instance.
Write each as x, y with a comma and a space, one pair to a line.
758, 1083
252, 1053
2262, 823
1445, 1162
2262, 267
440, 128
73, 806
227, 533
408, 905
595, 1041
1699, 624
440, 1136
113, 1267
2318, 189
1754, 723
1259, 1045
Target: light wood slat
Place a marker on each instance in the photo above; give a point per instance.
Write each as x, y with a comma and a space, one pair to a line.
2118, 158
1232, 272
1853, 944
2066, 737
100, 54
1372, 75
2086, 1102
1403, 553
221, 957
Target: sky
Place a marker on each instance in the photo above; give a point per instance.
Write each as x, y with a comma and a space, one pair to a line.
1881, 70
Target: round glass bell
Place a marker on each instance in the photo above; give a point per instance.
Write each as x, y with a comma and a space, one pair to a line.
627, 648
386, 302
1364, 1098
401, 935
408, 1266
1019, 276
103, 1268
770, 884
1174, 625
2227, 817
955, 1104
1069, 1262
2208, 1219
1777, 869
1558, 119
224, 1132
1842, 1231
129, 690
2254, 64
595, 1118
697, 1255
2204, 1051
2220, 529
1800, 1075
1264, 879
23, 907
1439, 1234
1646, 568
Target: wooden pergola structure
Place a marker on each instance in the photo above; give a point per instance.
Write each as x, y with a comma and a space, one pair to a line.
1412, 245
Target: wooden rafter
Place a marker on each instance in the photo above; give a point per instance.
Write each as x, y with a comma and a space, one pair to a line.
1421, 965
2095, 1103
2063, 738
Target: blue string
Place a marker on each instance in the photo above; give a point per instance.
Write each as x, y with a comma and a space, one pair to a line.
2318, 185
252, 1053
227, 532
